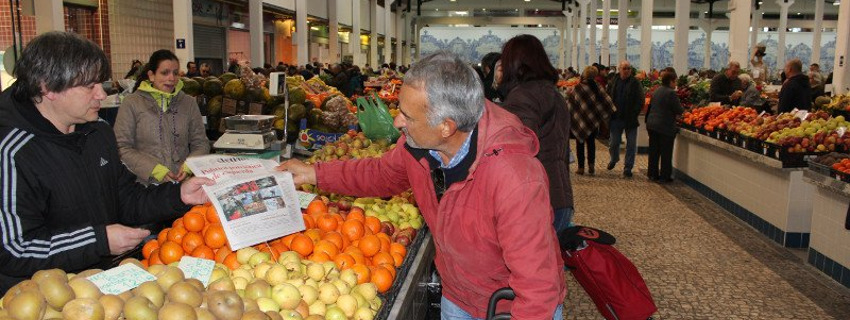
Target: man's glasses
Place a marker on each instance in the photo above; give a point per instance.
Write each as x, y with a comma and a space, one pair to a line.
439, 178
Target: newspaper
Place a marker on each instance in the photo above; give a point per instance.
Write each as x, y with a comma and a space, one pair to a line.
254, 202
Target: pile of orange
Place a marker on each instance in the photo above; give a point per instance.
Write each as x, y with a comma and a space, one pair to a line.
198, 234
355, 242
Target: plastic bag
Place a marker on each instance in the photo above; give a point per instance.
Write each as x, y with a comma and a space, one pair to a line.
375, 119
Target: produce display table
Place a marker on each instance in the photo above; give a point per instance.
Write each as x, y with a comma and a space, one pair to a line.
829, 250
753, 187
411, 300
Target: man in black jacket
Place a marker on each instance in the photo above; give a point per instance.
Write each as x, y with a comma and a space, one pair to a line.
628, 97
796, 91
340, 80
67, 200
726, 87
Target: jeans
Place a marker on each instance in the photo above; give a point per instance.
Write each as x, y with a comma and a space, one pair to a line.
617, 128
590, 142
563, 219
450, 311
660, 155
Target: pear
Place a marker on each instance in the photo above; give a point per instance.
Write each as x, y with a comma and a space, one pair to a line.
112, 306
139, 308
56, 291
83, 288
185, 292
27, 305
177, 311
83, 309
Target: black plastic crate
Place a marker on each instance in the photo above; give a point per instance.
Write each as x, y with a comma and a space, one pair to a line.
797, 159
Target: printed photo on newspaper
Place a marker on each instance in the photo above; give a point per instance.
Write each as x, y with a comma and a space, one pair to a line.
256, 208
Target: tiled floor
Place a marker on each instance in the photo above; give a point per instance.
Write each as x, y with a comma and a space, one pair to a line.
699, 261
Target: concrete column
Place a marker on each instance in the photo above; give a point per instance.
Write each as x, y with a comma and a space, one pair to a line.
706, 63
374, 11
622, 27
302, 33
255, 12
564, 54
400, 37
783, 29
389, 32
354, 37
606, 30
576, 40
582, 40
817, 31
841, 72
680, 38
754, 33
333, 33
594, 56
50, 15
182, 30
645, 35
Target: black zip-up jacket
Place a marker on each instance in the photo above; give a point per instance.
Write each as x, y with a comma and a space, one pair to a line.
60, 191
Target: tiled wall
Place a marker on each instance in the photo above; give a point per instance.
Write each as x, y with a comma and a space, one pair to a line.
828, 234
27, 26
143, 27
91, 23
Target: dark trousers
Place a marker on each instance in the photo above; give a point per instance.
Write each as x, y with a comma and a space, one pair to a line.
590, 142
660, 153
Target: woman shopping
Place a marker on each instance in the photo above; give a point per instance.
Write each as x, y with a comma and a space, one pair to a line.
158, 126
589, 107
664, 107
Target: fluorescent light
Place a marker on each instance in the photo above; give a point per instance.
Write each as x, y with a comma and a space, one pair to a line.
484, 9
314, 28
539, 25
461, 13
836, 3
527, 0
799, 13
238, 25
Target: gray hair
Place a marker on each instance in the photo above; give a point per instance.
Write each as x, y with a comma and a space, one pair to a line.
59, 61
745, 78
452, 88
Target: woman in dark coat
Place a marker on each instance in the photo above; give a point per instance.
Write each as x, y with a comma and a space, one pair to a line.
664, 107
528, 85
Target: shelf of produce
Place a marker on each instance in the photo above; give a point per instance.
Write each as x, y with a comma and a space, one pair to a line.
753, 187
411, 300
829, 250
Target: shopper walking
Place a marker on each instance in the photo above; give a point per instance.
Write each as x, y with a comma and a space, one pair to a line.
664, 107
589, 107
69, 202
528, 85
478, 185
158, 126
628, 97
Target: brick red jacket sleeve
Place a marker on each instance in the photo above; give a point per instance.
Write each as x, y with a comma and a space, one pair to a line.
383, 177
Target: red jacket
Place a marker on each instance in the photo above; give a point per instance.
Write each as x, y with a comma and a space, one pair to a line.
492, 230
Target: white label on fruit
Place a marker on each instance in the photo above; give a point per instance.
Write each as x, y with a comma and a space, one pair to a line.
121, 278
197, 268
840, 131
802, 114
762, 113
304, 198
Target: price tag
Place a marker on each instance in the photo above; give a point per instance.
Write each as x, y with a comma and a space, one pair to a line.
840, 131
762, 113
802, 114
121, 278
304, 198
196, 268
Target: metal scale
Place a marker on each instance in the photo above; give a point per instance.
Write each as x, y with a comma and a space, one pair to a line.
255, 133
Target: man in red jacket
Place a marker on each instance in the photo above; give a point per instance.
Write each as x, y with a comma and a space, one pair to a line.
481, 190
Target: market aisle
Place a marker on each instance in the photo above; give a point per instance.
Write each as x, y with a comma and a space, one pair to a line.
699, 261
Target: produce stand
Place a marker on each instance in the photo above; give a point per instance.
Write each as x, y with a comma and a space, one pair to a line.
754, 187
409, 297
829, 250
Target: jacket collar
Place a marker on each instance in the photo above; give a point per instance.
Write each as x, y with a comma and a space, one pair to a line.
23, 115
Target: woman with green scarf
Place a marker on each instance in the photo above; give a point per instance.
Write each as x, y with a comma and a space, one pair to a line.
159, 126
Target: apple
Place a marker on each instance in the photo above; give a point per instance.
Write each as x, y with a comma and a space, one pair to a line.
309, 293
290, 315
83, 288
223, 284
169, 276
259, 258
286, 295
177, 311
328, 293
140, 308
267, 304
152, 291
112, 306
28, 305
258, 288
56, 290
185, 292
245, 254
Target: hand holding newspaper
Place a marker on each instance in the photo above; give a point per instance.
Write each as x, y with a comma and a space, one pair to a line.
254, 202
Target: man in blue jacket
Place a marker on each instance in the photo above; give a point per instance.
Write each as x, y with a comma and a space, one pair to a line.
67, 200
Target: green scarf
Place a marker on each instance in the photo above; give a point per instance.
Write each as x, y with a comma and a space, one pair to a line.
163, 99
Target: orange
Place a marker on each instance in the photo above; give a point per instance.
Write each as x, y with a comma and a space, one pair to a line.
309, 223
335, 238
149, 247
353, 229
177, 223
302, 244
191, 241
154, 259
320, 257
383, 258
327, 247
145, 263
194, 222
215, 237
317, 207
358, 258
363, 273
287, 240
344, 261
271, 250
339, 221
385, 242
373, 224
280, 247
327, 222
212, 215
176, 234
203, 252
170, 252
396, 247
382, 278
314, 234
163, 235
230, 261
356, 214
222, 253
369, 245
398, 259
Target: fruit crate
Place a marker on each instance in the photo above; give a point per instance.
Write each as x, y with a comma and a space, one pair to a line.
726, 136
389, 297
841, 176
686, 126
770, 149
822, 169
796, 159
738, 139
752, 144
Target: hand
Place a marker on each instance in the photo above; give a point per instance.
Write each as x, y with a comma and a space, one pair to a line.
181, 174
302, 173
191, 191
122, 238
170, 177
